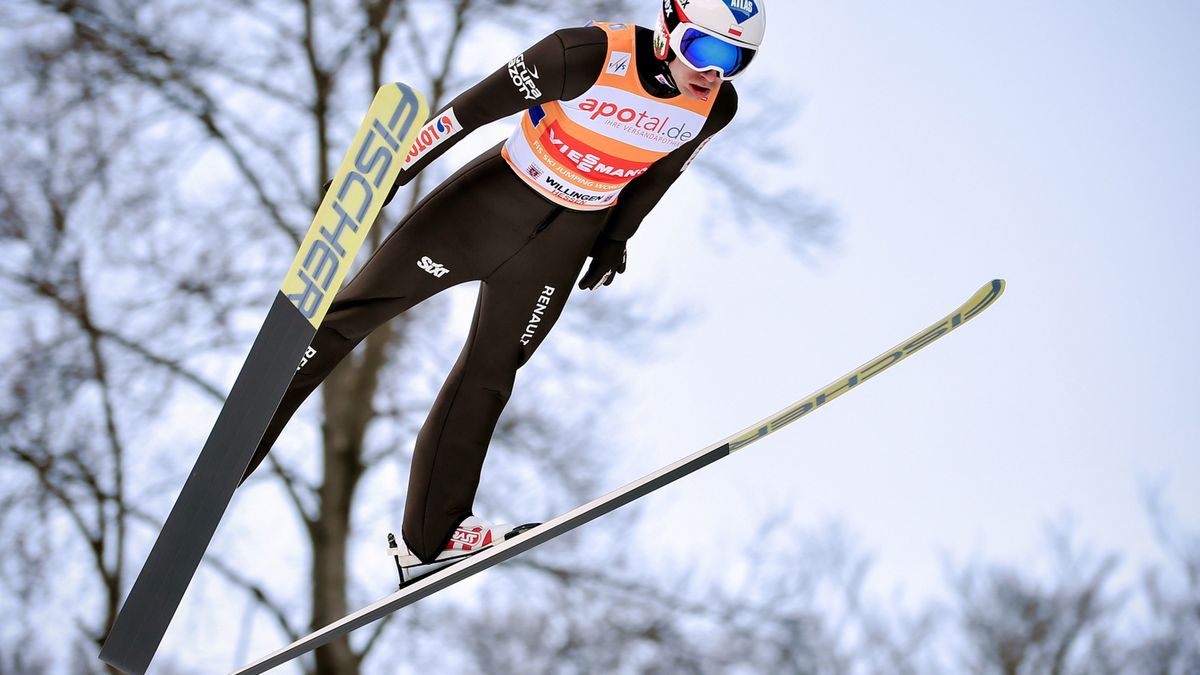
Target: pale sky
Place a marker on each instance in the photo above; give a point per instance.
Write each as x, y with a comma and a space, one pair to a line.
1052, 144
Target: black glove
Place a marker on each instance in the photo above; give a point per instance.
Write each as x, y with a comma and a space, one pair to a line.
608, 260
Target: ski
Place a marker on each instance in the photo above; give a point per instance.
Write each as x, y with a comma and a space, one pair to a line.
425, 586
338, 229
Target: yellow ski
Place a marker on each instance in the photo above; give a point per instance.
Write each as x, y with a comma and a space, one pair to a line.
425, 586
340, 225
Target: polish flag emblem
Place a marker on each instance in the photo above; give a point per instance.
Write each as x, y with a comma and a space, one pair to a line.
735, 31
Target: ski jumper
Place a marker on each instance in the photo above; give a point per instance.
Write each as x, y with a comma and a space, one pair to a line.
603, 135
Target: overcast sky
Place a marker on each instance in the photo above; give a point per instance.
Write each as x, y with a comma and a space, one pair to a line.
1052, 144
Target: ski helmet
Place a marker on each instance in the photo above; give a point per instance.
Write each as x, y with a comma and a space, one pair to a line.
721, 35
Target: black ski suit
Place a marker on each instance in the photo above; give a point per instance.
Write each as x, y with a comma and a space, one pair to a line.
484, 223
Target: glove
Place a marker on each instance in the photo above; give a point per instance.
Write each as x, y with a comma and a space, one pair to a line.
608, 260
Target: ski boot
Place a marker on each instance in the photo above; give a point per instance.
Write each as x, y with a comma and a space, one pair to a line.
472, 536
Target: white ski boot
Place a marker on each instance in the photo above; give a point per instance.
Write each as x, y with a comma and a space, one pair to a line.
470, 537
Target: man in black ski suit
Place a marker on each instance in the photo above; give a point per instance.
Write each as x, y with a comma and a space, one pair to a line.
609, 109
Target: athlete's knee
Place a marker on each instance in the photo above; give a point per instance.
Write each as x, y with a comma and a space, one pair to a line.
493, 383
500, 395
328, 347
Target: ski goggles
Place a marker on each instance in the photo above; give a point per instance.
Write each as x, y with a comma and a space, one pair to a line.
701, 51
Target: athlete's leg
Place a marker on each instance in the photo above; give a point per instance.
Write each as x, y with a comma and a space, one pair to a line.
517, 306
448, 238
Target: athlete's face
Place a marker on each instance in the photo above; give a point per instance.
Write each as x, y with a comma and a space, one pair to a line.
693, 84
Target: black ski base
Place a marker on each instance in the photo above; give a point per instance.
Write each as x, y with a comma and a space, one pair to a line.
189, 528
393, 546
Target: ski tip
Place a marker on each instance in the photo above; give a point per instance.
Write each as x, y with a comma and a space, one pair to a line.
983, 298
410, 93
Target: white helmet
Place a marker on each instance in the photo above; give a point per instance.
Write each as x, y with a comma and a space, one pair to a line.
721, 35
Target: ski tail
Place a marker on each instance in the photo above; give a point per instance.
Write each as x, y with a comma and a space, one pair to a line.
340, 226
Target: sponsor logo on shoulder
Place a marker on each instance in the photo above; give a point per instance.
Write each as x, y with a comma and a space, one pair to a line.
433, 134
436, 269
618, 63
524, 77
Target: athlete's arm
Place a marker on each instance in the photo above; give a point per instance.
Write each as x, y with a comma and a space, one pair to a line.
563, 65
644, 192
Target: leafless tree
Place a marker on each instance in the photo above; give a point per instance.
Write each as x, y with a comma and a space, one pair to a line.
1075, 618
161, 159
1015, 622
1169, 642
802, 609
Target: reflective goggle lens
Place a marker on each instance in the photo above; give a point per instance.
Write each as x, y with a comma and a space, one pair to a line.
703, 51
